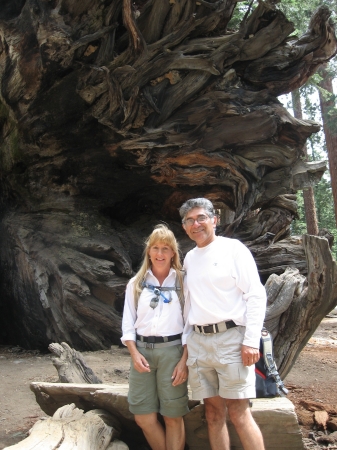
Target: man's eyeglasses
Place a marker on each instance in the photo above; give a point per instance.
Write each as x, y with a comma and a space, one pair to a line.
200, 219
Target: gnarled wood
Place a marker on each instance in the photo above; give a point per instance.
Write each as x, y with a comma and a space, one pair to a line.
316, 299
112, 114
70, 365
71, 428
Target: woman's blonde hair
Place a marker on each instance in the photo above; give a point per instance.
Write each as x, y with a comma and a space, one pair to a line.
161, 234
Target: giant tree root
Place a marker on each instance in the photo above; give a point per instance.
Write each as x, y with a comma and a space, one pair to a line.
275, 417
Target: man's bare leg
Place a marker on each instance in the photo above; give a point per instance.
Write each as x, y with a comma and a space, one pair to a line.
245, 425
175, 433
152, 429
215, 411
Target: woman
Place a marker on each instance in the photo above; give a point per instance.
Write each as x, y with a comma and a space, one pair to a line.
152, 327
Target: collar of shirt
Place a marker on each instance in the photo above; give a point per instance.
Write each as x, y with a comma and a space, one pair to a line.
171, 277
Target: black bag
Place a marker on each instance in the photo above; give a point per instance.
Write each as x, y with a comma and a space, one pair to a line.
268, 381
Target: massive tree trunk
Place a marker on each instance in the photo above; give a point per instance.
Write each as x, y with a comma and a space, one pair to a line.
112, 114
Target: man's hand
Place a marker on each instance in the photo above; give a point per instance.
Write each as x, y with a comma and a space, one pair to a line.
250, 355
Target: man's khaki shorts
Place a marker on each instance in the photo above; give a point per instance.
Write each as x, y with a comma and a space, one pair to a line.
215, 366
153, 391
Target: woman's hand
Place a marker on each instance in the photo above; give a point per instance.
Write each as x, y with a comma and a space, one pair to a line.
180, 372
138, 360
140, 363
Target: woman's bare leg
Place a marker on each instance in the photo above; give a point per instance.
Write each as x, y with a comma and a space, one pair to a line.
175, 433
152, 429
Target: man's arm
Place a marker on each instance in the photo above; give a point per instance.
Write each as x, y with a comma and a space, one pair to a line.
254, 294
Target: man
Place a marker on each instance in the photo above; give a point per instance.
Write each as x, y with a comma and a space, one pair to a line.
226, 306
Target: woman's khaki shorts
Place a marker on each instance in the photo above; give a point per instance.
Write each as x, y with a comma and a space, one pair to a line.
215, 366
153, 391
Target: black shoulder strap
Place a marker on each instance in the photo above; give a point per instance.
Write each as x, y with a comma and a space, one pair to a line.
268, 356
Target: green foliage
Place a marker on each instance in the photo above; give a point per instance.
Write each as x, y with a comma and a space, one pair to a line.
300, 14
325, 212
238, 14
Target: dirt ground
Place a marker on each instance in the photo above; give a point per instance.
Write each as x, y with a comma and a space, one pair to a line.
313, 378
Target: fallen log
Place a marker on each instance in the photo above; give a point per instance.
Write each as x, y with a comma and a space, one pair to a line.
68, 428
276, 417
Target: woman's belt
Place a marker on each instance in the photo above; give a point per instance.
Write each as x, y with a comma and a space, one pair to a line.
158, 341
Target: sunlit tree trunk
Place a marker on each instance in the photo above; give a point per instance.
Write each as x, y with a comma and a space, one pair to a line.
308, 193
327, 102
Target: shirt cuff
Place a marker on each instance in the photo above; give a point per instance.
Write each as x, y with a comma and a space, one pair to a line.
188, 330
252, 343
128, 337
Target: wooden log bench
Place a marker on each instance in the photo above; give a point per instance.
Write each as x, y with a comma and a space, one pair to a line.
276, 417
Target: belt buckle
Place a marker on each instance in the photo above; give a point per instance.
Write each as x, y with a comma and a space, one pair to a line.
205, 332
149, 345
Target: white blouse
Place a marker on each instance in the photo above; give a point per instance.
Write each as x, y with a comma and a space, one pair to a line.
164, 320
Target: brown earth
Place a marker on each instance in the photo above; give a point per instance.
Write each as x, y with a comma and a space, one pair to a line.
313, 378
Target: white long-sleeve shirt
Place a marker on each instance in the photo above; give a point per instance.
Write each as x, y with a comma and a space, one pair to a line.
165, 320
223, 284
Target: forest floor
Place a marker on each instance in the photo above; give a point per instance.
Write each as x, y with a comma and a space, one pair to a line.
312, 379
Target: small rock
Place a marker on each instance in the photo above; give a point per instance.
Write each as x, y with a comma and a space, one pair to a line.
310, 445
16, 349
321, 418
326, 440
332, 424
311, 435
305, 418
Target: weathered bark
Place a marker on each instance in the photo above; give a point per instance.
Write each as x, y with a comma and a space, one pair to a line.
276, 417
111, 118
70, 428
308, 193
312, 300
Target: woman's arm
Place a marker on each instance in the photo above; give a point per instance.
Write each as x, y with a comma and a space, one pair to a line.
129, 315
